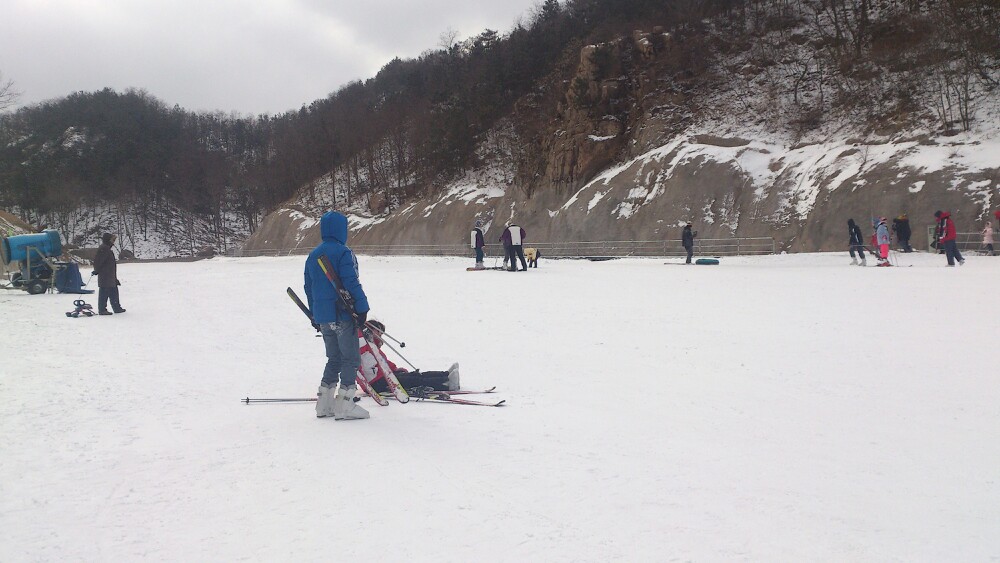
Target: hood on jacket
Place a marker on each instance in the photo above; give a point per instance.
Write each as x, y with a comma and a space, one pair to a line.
851, 223
333, 226
108, 239
942, 214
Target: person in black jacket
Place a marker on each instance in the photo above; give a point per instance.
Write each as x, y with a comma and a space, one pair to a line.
901, 226
477, 242
687, 241
106, 270
856, 243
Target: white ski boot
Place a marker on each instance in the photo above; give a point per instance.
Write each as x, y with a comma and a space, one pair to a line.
480, 266
324, 402
344, 407
854, 261
453, 382
863, 263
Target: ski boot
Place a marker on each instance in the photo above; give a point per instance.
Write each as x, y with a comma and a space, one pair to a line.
344, 407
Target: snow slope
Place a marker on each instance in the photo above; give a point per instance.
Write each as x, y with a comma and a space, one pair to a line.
781, 408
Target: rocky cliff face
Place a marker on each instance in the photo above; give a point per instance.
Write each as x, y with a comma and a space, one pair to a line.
624, 160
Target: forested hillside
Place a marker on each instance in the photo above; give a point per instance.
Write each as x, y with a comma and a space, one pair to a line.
574, 89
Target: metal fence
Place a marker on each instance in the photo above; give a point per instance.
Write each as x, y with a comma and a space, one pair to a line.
586, 249
970, 243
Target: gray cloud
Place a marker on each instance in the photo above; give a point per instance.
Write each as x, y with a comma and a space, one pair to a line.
264, 56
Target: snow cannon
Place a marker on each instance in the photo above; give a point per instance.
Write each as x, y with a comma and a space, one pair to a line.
45, 244
34, 258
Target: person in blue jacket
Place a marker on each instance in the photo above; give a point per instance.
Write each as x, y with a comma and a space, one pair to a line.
336, 323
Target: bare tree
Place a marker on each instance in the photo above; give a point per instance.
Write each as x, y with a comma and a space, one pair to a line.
8, 95
447, 38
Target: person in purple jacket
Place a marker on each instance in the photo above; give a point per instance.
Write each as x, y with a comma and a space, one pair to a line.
513, 238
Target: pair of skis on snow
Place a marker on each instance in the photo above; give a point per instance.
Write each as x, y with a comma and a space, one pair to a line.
417, 394
395, 389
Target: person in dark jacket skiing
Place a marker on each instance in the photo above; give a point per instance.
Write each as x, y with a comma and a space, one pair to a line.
478, 243
855, 243
335, 322
947, 238
106, 270
901, 227
513, 238
687, 241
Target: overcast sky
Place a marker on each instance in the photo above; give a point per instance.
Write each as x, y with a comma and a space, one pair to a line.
249, 56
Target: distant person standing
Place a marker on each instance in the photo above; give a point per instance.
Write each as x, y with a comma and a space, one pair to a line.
988, 238
855, 242
478, 242
882, 241
106, 270
513, 239
901, 226
687, 241
947, 237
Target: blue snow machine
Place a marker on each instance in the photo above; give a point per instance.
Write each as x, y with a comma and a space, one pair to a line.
34, 259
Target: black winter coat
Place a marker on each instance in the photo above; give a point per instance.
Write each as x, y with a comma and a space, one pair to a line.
902, 228
854, 232
687, 237
105, 267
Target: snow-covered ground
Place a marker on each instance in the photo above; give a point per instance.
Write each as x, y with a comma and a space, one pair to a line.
780, 408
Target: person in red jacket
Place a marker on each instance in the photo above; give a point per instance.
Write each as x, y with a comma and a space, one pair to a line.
947, 236
372, 367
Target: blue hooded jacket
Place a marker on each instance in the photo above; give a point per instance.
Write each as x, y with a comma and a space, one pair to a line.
320, 293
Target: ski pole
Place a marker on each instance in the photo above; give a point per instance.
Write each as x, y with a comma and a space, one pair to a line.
383, 333
248, 400
401, 356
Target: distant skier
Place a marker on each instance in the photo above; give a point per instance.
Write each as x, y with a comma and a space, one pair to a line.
370, 370
855, 242
901, 226
335, 322
988, 238
882, 241
477, 242
512, 238
947, 237
106, 270
687, 241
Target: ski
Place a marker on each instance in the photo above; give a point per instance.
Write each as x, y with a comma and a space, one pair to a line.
441, 398
302, 307
348, 302
364, 385
429, 394
459, 392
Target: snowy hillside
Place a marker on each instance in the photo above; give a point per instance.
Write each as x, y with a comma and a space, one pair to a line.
819, 412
